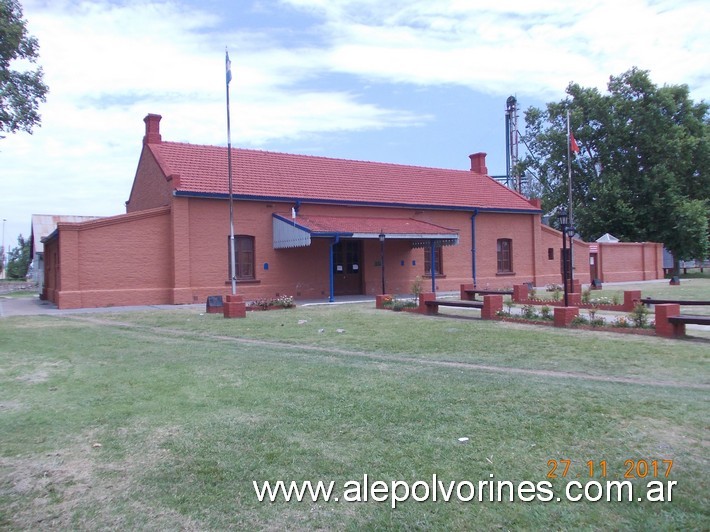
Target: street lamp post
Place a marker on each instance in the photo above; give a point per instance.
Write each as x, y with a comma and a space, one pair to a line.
570, 266
382, 258
563, 218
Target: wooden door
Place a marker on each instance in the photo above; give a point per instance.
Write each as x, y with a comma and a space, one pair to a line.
347, 268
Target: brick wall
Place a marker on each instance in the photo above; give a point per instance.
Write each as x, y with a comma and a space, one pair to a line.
116, 261
150, 187
630, 261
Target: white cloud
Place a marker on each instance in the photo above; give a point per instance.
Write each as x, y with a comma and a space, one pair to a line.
109, 64
531, 47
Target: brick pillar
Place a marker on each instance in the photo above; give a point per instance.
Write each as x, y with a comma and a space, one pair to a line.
565, 315
380, 300
234, 307
492, 305
464, 296
631, 297
665, 327
423, 298
520, 293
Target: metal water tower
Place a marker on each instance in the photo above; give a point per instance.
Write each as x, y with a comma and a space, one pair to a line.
511, 144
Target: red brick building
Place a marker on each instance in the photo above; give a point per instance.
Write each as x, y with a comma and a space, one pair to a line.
310, 227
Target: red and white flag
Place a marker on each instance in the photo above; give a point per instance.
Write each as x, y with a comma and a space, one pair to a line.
573, 146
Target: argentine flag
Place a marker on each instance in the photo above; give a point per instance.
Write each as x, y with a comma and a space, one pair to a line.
228, 65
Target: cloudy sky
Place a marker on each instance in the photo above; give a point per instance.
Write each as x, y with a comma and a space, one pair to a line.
420, 82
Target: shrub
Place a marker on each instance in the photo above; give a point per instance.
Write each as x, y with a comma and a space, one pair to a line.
284, 301
586, 295
557, 294
580, 320
529, 312
267, 303
546, 313
417, 288
621, 321
639, 316
594, 321
399, 304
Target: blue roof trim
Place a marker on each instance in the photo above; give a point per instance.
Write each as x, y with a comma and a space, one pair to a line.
212, 195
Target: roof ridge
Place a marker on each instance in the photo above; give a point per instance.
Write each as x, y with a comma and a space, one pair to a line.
319, 157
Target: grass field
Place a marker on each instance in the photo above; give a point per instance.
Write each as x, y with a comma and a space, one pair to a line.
163, 419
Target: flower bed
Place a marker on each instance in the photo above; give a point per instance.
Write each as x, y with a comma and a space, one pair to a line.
388, 302
634, 323
272, 303
591, 305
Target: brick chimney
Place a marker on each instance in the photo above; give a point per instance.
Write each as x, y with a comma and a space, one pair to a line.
152, 129
478, 163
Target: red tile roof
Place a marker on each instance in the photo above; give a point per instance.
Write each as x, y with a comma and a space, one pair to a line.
269, 175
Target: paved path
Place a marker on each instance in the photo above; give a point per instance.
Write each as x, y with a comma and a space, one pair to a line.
32, 306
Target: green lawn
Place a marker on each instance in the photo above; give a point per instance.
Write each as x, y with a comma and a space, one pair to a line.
162, 420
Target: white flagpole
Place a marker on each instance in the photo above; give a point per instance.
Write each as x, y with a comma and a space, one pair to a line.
232, 258
569, 195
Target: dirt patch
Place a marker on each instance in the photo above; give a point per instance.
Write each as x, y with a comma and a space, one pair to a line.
10, 406
75, 487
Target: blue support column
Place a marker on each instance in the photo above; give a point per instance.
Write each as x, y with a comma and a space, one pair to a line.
432, 254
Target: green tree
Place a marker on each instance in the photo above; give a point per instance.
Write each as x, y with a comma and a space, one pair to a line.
643, 172
18, 259
21, 91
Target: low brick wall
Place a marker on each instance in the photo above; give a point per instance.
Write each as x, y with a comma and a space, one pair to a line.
492, 305
574, 299
565, 315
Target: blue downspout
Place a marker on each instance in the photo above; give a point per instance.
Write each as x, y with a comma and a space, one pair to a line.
433, 265
332, 275
473, 246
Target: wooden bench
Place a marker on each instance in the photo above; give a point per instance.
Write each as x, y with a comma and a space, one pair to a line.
434, 305
649, 301
690, 318
490, 306
473, 293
